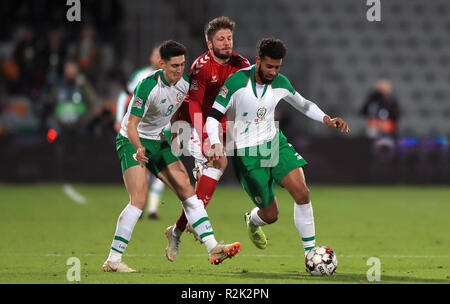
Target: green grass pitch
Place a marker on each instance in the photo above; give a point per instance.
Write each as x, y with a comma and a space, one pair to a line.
407, 228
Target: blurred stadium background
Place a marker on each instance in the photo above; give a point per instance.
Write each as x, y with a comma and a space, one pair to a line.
335, 58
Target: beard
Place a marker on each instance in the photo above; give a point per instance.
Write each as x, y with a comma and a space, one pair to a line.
219, 55
264, 79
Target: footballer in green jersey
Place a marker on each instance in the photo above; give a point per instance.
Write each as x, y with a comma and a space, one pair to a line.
262, 156
139, 145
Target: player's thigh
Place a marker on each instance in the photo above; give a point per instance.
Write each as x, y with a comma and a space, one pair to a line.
176, 177
289, 173
125, 153
256, 181
135, 179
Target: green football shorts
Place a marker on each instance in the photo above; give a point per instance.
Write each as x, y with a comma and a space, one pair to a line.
259, 168
158, 152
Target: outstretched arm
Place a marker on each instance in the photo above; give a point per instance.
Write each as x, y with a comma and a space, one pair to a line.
311, 110
212, 126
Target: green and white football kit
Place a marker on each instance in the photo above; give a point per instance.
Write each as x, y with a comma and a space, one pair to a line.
156, 186
155, 102
262, 155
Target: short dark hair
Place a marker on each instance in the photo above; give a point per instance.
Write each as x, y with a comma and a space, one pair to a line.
271, 47
219, 23
171, 48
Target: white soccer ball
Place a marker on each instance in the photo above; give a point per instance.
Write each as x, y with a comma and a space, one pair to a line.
321, 261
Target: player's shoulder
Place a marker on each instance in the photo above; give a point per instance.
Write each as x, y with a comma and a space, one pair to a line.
282, 82
201, 65
149, 83
239, 60
153, 78
239, 79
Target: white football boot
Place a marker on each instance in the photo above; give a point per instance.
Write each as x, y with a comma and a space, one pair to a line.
172, 246
116, 267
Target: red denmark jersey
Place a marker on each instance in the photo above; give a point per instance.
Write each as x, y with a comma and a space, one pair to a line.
206, 78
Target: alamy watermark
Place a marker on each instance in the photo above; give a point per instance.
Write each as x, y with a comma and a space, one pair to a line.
374, 272
73, 273
242, 138
74, 11
374, 12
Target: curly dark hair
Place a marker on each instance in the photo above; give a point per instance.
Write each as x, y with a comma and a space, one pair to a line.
217, 24
271, 47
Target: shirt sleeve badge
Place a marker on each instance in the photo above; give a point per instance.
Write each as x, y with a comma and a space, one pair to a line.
223, 92
138, 103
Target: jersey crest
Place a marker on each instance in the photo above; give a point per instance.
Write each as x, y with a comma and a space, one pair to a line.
180, 97
261, 113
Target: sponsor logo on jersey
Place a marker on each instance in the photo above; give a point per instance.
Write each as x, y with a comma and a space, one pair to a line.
138, 103
261, 113
223, 92
163, 101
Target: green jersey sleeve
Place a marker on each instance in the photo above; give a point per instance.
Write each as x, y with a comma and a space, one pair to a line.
232, 84
281, 82
141, 94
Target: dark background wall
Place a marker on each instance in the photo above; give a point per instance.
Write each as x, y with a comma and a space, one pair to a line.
335, 56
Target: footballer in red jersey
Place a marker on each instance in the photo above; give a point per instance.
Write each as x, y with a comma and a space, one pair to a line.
208, 74
207, 77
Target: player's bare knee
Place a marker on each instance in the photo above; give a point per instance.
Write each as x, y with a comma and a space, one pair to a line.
270, 216
302, 196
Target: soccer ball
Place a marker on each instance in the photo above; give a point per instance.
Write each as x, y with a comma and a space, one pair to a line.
321, 261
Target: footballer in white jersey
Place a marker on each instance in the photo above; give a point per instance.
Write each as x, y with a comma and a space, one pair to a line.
155, 101
139, 147
123, 99
249, 98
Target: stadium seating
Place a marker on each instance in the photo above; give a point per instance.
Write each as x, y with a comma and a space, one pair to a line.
335, 54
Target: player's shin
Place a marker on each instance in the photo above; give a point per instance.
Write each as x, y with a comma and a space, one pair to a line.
207, 184
204, 190
125, 225
197, 216
304, 221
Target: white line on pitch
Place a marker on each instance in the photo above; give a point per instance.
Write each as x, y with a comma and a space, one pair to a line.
73, 194
244, 255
